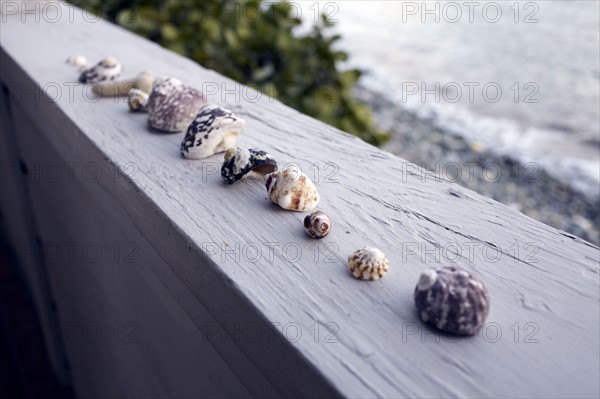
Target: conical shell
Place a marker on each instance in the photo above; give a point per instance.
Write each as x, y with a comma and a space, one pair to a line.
291, 189
317, 224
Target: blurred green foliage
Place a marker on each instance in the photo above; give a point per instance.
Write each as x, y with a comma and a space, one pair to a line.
253, 43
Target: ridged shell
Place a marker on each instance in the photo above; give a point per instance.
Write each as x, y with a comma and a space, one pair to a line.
368, 263
214, 130
293, 190
240, 162
172, 106
106, 70
317, 224
452, 299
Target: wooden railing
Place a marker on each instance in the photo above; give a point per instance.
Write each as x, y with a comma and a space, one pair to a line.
154, 279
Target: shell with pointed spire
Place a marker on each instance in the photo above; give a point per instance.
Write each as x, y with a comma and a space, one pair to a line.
317, 224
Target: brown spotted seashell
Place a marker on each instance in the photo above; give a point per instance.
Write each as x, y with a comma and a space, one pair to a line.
452, 299
291, 189
317, 224
172, 106
368, 263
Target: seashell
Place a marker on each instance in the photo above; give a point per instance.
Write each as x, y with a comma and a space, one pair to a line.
291, 189
143, 81
138, 100
173, 106
106, 70
452, 299
317, 224
214, 130
368, 263
241, 162
79, 61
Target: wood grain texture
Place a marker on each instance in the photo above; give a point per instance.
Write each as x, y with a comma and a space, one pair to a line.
209, 234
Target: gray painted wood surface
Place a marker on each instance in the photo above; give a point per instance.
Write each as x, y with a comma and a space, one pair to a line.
199, 240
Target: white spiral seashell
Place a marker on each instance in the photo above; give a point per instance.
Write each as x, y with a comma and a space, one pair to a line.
293, 190
368, 263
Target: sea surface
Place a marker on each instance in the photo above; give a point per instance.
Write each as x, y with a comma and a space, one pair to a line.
519, 78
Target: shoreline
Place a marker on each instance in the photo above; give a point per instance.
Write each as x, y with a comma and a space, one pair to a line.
526, 187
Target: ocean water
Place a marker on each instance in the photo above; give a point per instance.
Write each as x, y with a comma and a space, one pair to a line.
520, 78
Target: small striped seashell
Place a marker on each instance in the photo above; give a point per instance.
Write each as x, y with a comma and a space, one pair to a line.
214, 130
368, 263
106, 70
242, 162
172, 106
293, 190
317, 224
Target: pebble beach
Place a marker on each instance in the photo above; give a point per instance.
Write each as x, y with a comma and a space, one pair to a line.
525, 187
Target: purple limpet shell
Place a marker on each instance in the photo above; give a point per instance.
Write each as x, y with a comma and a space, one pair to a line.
452, 299
172, 106
291, 189
368, 263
